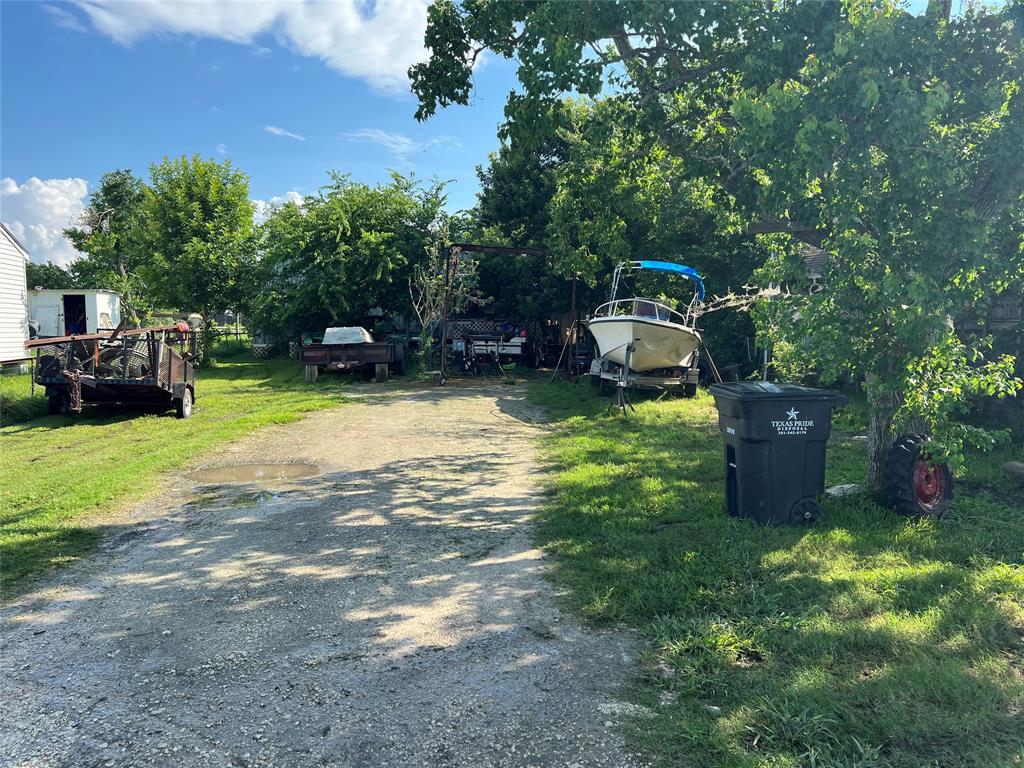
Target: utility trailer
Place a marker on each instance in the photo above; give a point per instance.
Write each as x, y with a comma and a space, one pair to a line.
146, 366
349, 349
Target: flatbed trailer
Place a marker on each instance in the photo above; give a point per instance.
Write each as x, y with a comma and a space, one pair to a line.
385, 358
145, 366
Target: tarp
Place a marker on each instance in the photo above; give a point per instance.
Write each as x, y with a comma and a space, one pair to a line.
679, 269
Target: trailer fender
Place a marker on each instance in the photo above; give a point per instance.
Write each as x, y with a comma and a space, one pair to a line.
179, 390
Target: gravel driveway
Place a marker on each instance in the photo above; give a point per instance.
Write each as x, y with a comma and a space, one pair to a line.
388, 610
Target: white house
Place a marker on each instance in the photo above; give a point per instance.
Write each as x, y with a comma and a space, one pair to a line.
13, 297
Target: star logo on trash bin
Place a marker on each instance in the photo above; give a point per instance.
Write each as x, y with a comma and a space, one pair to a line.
792, 413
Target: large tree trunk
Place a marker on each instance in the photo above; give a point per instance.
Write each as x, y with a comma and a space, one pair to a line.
882, 405
130, 313
206, 338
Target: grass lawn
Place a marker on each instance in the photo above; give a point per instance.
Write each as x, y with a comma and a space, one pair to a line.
16, 401
55, 470
865, 640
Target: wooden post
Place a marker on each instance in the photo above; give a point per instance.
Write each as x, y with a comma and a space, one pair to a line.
572, 327
453, 252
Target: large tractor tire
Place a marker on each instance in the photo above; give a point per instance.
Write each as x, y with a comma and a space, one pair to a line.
915, 486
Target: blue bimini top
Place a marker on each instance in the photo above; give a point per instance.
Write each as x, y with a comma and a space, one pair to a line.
679, 269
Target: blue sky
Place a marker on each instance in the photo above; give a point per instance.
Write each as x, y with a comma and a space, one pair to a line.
285, 90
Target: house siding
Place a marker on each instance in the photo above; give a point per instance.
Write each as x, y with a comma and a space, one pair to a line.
13, 298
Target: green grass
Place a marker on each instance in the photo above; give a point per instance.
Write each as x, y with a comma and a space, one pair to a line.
865, 640
17, 402
56, 471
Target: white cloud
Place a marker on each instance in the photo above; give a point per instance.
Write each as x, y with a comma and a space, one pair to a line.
222, 148
62, 17
398, 144
375, 42
38, 211
264, 207
282, 132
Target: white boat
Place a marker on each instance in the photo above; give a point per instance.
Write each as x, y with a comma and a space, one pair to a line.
643, 334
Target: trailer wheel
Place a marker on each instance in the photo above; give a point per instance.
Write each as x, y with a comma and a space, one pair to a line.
916, 487
183, 404
57, 405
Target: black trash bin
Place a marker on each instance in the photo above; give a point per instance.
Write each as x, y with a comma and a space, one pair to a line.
775, 436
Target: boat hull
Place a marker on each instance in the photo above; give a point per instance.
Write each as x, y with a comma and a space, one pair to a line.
656, 343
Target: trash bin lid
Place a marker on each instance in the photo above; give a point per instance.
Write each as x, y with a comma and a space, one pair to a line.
768, 390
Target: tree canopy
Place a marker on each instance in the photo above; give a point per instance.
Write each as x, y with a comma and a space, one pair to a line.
48, 275
110, 235
199, 234
888, 140
343, 251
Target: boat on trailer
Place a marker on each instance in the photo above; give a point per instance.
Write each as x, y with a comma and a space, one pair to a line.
645, 340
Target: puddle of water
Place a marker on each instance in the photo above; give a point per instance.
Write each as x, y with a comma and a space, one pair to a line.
254, 473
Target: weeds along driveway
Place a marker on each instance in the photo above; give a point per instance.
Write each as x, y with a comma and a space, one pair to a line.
389, 611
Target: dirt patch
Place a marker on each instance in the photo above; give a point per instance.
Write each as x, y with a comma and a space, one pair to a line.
388, 611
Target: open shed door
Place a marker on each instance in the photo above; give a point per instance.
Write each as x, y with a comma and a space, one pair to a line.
75, 321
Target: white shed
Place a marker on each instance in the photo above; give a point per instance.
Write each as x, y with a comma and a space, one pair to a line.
68, 311
13, 297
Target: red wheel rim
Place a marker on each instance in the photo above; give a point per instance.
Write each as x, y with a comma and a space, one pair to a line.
929, 483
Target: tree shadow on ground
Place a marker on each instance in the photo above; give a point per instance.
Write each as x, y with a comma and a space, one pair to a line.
866, 639
356, 617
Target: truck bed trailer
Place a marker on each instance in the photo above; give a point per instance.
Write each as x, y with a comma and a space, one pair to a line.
384, 357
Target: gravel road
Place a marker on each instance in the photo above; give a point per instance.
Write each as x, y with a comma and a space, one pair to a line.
387, 611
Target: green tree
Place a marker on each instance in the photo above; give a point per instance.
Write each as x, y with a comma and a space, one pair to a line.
110, 235
621, 196
445, 280
200, 236
890, 141
48, 275
344, 251
514, 209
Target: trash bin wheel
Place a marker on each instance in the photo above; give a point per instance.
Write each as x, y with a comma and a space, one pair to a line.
806, 510
915, 486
